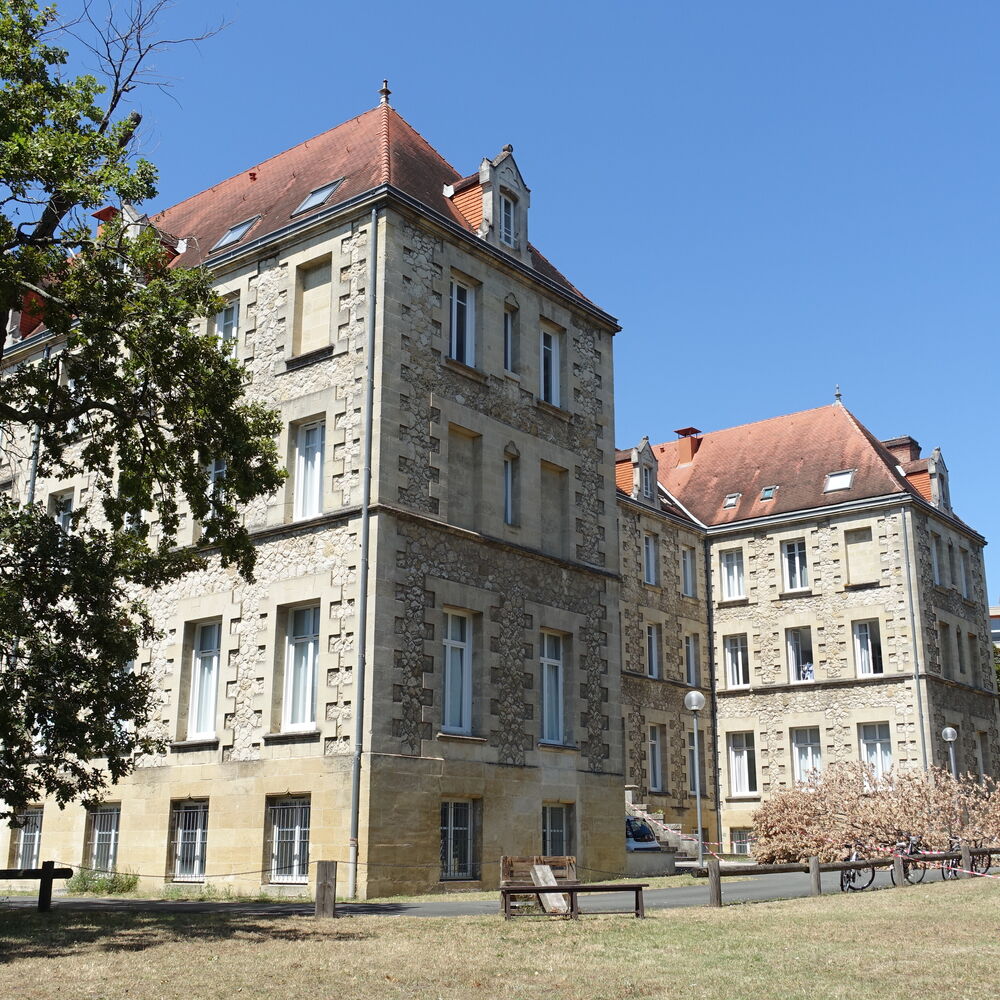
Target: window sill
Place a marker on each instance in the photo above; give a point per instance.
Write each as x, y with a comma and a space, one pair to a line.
309, 358
461, 368
872, 585
748, 797
460, 737
512, 376
305, 736
546, 745
733, 602
788, 595
737, 687
186, 746
460, 879
553, 410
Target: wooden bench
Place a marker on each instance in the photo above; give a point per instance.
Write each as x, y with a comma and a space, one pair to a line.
573, 891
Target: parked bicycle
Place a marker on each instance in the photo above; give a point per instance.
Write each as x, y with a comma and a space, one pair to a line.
855, 879
913, 870
950, 868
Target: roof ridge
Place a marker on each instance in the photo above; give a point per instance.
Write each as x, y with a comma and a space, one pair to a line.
753, 423
888, 459
385, 145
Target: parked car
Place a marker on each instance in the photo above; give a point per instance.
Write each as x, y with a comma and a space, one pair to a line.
638, 836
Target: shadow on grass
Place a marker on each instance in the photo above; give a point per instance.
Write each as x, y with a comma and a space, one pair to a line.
26, 934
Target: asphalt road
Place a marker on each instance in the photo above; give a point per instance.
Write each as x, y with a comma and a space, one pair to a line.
752, 890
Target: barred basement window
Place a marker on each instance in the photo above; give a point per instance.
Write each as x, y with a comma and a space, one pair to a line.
288, 839
26, 841
459, 857
102, 838
188, 841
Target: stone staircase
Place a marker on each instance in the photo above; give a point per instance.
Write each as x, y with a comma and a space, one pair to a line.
682, 845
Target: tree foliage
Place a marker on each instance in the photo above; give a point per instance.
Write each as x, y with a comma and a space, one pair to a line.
132, 393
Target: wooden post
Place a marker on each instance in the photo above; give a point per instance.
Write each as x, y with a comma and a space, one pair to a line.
326, 889
897, 871
714, 882
45, 887
966, 862
816, 876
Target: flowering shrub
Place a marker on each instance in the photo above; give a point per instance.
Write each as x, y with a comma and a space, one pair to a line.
847, 804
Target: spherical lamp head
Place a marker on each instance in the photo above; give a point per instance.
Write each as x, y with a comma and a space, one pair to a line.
949, 735
694, 701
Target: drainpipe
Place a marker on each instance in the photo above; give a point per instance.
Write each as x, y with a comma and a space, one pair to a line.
715, 687
362, 606
913, 637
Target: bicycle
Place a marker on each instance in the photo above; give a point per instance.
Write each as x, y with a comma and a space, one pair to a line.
855, 879
913, 871
981, 863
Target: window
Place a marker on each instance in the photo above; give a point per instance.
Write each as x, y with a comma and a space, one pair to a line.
556, 831
734, 652
739, 837
507, 215
317, 197
457, 673
301, 661
235, 234
936, 558
960, 649
730, 500
552, 687
862, 558
510, 339
61, 508
459, 858
288, 839
313, 306
102, 838
793, 559
963, 575
732, 574
839, 481
806, 755
511, 483
692, 660
550, 371
701, 763
227, 326
647, 482
945, 649
650, 560
689, 576
798, 642
204, 681
767, 493
867, 647
952, 568
876, 747
654, 758
309, 447
463, 324
27, 839
973, 642
742, 764
653, 641
189, 841
981, 748
216, 478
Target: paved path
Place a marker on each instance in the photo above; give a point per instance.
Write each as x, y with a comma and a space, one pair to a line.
756, 889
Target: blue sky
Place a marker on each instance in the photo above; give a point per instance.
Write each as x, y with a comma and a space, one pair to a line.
772, 197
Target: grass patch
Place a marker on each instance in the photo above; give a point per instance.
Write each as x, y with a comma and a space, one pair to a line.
935, 941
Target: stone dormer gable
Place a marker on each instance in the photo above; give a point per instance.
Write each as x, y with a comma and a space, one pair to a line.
495, 203
645, 488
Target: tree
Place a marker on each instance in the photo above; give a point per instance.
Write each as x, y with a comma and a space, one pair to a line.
131, 390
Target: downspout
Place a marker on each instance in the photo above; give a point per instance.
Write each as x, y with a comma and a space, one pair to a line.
362, 605
913, 637
715, 687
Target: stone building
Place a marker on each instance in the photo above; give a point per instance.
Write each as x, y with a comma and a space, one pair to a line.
846, 602
492, 692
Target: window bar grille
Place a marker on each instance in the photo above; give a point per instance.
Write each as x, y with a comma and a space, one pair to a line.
103, 853
288, 823
190, 842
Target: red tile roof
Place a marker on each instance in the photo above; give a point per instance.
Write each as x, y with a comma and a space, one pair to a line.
794, 453
376, 148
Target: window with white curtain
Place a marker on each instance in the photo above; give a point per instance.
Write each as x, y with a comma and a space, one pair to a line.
732, 574
550, 367
692, 660
689, 574
793, 560
309, 447
463, 324
457, 673
204, 681
653, 641
867, 647
508, 213
798, 642
742, 764
876, 747
736, 656
552, 687
227, 326
654, 758
650, 560
807, 755
301, 664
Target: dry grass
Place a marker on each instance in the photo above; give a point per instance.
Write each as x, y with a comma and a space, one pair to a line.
935, 941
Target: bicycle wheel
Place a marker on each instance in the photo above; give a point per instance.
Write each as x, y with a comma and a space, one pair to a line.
913, 872
863, 878
981, 863
847, 880
949, 869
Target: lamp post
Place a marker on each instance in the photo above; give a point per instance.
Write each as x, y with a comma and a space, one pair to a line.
694, 702
949, 735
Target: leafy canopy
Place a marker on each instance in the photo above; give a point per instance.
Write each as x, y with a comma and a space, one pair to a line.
130, 393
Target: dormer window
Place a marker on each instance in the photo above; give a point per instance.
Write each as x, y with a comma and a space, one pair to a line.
839, 481
316, 198
507, 213
767, 493
235, 234
731, 500
647, 482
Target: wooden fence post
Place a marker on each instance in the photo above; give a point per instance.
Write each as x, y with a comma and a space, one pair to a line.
897, 870
714, 882
816, 888
966, 862
326, 888
45, 887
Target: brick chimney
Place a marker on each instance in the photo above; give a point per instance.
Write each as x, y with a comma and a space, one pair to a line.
904, 449
687, 446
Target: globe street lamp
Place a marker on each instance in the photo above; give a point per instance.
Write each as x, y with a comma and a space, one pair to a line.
949, 735
694, 702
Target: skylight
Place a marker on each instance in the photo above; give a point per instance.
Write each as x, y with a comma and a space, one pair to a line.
731, 500
317, 197
767, 493
839, 481
236, 233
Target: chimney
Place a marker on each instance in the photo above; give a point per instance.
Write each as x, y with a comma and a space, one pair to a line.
687, 446
904, 449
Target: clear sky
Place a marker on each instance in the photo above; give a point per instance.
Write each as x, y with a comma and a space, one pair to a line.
772, 197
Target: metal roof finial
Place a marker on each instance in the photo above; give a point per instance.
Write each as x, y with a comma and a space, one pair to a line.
385, 92
836, 393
